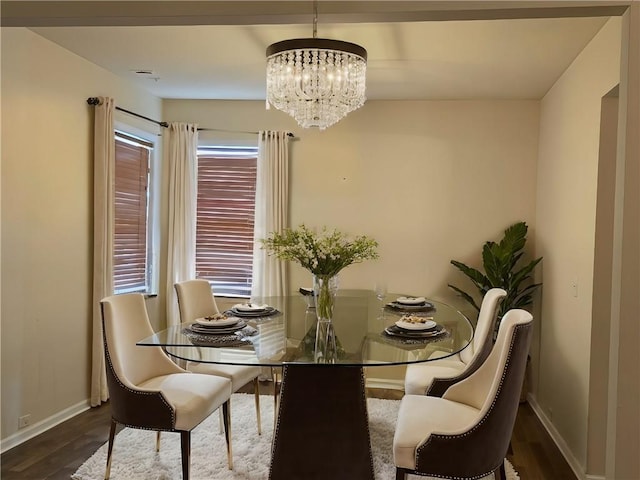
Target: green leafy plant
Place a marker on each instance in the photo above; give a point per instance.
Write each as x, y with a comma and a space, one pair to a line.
502, 269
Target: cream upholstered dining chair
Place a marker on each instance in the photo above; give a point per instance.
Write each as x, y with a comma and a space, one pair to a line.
196, 300
146, 389
436, 376
466, 432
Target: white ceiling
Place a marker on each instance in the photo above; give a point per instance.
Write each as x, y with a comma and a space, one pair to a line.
519, 58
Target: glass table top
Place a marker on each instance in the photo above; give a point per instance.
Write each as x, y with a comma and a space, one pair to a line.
360, 320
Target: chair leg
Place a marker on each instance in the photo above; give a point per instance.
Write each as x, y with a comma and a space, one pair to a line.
185, 443
112, 434
220, 420
226, 409
499, 473
158, 441
401, 473
256, 393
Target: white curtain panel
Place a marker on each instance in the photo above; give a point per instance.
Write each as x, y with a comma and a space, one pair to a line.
271, 214
181, 155
103, 227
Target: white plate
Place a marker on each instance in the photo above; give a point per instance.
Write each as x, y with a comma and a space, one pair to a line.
225, 322
249, 307
411, 300
416, 326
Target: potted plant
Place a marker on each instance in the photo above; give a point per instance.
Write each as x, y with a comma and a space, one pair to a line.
503, 269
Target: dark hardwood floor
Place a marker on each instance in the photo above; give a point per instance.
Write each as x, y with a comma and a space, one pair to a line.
57, 453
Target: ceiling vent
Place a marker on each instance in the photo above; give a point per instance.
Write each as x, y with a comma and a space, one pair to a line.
145, 73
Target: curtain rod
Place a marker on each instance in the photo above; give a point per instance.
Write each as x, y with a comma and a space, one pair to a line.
96, 101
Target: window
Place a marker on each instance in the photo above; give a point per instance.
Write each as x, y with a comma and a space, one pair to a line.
131, 259
225, 216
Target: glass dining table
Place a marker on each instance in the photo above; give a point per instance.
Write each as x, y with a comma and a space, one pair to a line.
322, 424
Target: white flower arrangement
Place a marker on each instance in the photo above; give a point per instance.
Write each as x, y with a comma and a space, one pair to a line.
323, 254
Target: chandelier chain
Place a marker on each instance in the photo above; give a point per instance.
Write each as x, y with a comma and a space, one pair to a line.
315, 18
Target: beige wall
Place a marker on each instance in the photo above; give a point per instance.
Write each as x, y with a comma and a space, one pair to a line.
46, 223
430, 180
565, 233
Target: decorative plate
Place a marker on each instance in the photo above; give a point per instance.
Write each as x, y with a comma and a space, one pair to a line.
213, 322
240, 337
418, 326
411, 300
396, 331
239, 325
425, 307
262, 313
249, 307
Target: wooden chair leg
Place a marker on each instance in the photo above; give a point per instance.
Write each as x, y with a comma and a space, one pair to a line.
256, 393
158, 441
226, 414
401, 473
185, 443
499, 473
112, 434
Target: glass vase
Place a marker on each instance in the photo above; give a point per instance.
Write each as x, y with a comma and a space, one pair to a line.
325, 350
325, 288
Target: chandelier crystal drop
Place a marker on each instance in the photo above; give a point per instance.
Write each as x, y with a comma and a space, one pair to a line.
317, 81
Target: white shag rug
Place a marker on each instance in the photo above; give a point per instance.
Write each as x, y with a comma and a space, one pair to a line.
135, 458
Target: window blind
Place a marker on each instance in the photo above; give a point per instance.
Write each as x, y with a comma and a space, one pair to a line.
225, 220
130, 273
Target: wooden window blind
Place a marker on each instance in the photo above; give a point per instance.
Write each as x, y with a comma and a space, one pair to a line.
130, 259
225, 220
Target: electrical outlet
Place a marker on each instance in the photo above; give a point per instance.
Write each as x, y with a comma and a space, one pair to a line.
24, 420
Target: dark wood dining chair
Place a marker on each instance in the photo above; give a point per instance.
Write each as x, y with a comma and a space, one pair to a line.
466, 432
146, 389
196, 300
436, 376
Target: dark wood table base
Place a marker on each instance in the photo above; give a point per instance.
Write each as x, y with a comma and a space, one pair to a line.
323, 426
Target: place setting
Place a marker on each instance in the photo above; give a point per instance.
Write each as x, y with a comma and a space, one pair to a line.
219, 329
410, 304
416, 327
252, 310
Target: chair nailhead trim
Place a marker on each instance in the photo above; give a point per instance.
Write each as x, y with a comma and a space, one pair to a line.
139, 392
366, 411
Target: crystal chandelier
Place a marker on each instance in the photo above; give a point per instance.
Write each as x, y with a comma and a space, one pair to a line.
317, 81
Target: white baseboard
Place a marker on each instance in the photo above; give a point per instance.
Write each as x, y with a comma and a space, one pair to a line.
42, 426
595, 477
558, 440
384, 383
